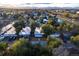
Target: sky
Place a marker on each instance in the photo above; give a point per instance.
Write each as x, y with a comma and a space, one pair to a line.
54, 3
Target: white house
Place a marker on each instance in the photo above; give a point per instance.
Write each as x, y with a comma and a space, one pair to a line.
25, 31
45, 20
11, 31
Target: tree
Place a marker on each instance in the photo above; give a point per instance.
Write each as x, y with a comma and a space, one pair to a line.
18, 26
33, 26
37, 50
50, 22
75, 40
3, 47
53, 42
23, 48
47, 29
18, 48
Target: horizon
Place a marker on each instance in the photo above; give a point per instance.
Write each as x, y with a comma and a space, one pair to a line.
36, 3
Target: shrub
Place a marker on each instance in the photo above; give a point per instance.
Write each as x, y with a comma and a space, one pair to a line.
3, 46
53, 43
75, 40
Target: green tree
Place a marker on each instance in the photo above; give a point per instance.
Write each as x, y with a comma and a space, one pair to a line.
18, 26
50, 22
53, 42
18, 48
24, 48
32, 26
37, 50
47, 29
75, 40
3, 46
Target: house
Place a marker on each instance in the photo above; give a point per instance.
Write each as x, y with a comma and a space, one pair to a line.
11, 31
38, 33
25, 31
45, 20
